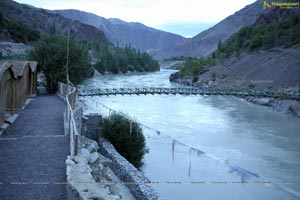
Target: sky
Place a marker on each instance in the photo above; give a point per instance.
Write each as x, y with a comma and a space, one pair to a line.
183, 17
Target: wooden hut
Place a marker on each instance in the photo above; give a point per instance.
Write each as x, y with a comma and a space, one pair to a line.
21, 71
33, 78
6, 87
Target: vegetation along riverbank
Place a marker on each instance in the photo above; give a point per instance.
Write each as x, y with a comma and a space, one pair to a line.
264, 56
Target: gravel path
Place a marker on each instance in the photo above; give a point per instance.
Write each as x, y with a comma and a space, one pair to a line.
33, 153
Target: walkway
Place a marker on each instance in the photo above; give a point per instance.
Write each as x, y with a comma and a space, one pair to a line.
33, 153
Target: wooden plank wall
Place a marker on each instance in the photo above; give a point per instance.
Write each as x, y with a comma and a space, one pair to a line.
16, 87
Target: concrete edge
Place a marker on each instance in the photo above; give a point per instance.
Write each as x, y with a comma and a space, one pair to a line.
8, 122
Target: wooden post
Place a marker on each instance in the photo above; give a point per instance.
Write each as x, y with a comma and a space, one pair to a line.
76, 145
35, 82
12, 97
69, 119
31, 84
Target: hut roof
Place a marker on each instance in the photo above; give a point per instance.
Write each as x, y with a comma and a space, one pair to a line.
18, 67
4, 65
33, 65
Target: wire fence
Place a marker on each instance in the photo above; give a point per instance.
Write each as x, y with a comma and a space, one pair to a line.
69, 93
243, 174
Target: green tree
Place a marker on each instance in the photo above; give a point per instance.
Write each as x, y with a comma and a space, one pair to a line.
51, 53
1, 20
219, 46
268, 40
19, 31
257, 41
127, 138
52, 29
238, 45
222, 58
118, 60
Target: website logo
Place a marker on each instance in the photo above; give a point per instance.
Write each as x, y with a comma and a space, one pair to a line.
267, 5
281, 5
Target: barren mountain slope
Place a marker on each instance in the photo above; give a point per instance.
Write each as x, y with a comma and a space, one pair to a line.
121, 33
42, 21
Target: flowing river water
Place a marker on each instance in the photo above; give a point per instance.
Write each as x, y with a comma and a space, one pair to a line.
208, 147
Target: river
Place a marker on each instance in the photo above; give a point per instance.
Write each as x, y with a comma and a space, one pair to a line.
208, 147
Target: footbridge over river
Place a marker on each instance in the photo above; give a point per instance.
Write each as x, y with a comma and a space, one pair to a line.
188, 91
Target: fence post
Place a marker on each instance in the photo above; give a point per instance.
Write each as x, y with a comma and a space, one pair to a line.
76, 145
69, 93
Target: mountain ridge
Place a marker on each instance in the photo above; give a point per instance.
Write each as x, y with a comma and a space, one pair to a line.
43, 21
206, 42
124, 33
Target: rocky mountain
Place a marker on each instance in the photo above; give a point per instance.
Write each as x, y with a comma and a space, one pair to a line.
43, 21
122, 33
206, 42
276, 68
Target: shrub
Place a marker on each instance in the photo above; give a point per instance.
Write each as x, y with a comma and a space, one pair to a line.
195, 79
132, 146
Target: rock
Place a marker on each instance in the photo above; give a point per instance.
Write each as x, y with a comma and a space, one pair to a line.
93, 147
128, 173
80, 159
211, 83
10, 48
105, 161
263, 101
70, 162
93, 157
174, 76
84, 153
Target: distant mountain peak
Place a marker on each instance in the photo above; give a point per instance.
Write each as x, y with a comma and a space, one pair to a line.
206, 42
116, 21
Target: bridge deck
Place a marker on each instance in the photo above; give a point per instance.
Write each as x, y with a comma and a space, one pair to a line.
187, 91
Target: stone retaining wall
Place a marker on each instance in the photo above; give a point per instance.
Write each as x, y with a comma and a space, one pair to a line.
89, 175
133, 179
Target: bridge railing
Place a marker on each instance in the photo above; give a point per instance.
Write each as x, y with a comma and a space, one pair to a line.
69, 93
189, 91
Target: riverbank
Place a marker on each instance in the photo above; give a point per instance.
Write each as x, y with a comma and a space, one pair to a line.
275, 70
285, 106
